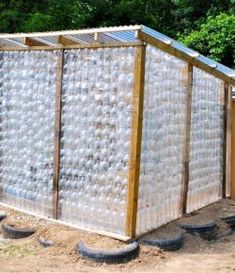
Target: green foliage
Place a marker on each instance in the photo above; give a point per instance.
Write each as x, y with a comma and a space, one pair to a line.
38, 22
206, 25
215, 39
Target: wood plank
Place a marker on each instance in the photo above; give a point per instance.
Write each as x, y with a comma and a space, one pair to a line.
66, 41
187, 132
225, 155
226, 186
74, 46
136, 139
185, 57
232, 148
33, 42
58, 109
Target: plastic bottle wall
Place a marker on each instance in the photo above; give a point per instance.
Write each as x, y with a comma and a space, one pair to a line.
95, 143
160, 187
207, 138
27, 88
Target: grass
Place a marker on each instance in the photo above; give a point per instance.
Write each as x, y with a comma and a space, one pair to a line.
16, 251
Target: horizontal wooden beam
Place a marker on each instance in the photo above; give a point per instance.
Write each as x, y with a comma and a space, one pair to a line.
94, 46
185, 57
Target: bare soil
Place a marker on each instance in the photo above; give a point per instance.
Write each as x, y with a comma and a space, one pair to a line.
196, 256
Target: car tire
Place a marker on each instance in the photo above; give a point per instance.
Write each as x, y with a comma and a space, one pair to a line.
230, 220
205, 231
45, 243
2, 216
171, 244
12, 232
123, 255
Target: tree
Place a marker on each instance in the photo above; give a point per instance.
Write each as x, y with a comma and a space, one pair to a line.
215, 39
190, 14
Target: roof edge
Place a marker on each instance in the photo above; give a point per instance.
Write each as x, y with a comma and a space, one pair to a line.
186, 54
71, 32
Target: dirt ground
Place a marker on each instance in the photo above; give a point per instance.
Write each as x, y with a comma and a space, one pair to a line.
196, 256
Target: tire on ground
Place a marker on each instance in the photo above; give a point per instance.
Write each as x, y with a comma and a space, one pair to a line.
230, 220
2, 216
171, 244
12, 232
125, 254
45, 243
205, 231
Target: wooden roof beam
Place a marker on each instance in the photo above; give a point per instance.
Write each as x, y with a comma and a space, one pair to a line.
66, 41
33, 42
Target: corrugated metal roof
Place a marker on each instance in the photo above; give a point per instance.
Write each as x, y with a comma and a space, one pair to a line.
104, 36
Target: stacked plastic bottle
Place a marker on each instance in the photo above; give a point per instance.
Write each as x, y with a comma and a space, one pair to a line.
160, 187
27, 121
95, 143
1, 83
207, 137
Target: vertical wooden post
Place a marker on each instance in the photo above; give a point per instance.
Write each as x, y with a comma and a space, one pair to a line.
232, 150
226, 189
58, 107
136, 139
186, 152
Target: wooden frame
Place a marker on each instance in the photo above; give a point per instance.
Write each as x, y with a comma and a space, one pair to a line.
74, 46
65, 41
232, 159
226, 186
33, 42
187, 132
58, 110
136, 139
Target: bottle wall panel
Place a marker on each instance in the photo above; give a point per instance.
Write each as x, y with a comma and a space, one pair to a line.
97, 94
160, 187
27, 88
207, 140
95, 143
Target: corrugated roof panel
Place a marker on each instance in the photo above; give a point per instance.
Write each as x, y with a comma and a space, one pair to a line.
76, 38
109, 37
122, 36
13, 42
47, 40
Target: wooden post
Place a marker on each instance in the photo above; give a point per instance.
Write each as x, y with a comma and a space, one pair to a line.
58, 107
186, 152
226, 186
136, 139
231, 153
